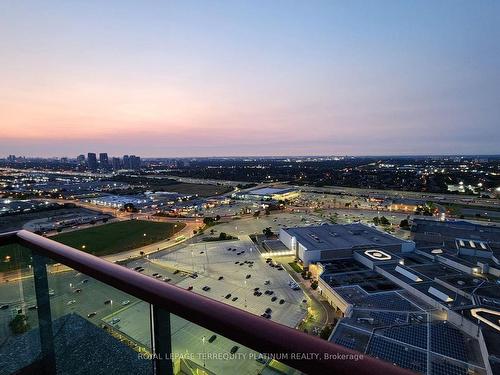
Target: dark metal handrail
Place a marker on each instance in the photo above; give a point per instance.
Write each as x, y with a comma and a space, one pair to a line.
245, 328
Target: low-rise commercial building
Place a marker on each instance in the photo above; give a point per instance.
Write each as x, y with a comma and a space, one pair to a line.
328, 242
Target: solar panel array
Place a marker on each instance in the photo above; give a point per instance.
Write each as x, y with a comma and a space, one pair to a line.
403, 356
446, 368
388, 318
415, 334
348, 342
448, 341
382, 301
387, 301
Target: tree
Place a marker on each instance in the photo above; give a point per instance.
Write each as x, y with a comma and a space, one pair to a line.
376, 220
326, 332
19, 324
129, 207
207, 220
314, 285
141, 253
256, 214
404, 224
217, 218
268, 232
222, 236
384, 221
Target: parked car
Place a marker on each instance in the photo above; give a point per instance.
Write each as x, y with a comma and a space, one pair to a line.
234, 349
212, 338
125, 303
91, 315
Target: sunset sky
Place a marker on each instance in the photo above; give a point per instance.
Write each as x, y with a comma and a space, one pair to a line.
216, 78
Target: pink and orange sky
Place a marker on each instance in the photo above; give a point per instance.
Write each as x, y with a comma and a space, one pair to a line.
203, 78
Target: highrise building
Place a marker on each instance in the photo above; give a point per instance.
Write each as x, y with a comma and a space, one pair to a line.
80, 159
135, 162
126, 162
116, 163
103, 160
92, 161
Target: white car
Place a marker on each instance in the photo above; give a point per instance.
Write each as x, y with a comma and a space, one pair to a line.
71, 302
125, 303
115, 320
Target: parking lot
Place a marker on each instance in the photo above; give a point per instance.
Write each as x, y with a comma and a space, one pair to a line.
234, 276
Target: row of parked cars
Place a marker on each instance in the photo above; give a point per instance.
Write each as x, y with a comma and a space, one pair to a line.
156, 275
273, 264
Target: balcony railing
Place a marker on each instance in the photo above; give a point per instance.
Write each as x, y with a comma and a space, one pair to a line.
293, 348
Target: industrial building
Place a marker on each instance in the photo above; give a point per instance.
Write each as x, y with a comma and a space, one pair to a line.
277, 194
119, 201
328, 242
432, 308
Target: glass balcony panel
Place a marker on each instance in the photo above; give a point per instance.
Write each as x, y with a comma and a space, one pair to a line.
94, 324
197, 350
19, 329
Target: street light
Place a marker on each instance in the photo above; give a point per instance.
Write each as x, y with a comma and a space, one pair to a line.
204, 352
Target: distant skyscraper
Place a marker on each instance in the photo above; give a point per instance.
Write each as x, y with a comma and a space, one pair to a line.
135, 162
92, 161
116, 163
103, 160
126, 162
80, 159
11, 158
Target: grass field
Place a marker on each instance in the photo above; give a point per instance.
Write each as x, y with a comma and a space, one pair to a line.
100, 240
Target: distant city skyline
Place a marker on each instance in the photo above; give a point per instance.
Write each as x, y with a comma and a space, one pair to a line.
281, 78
